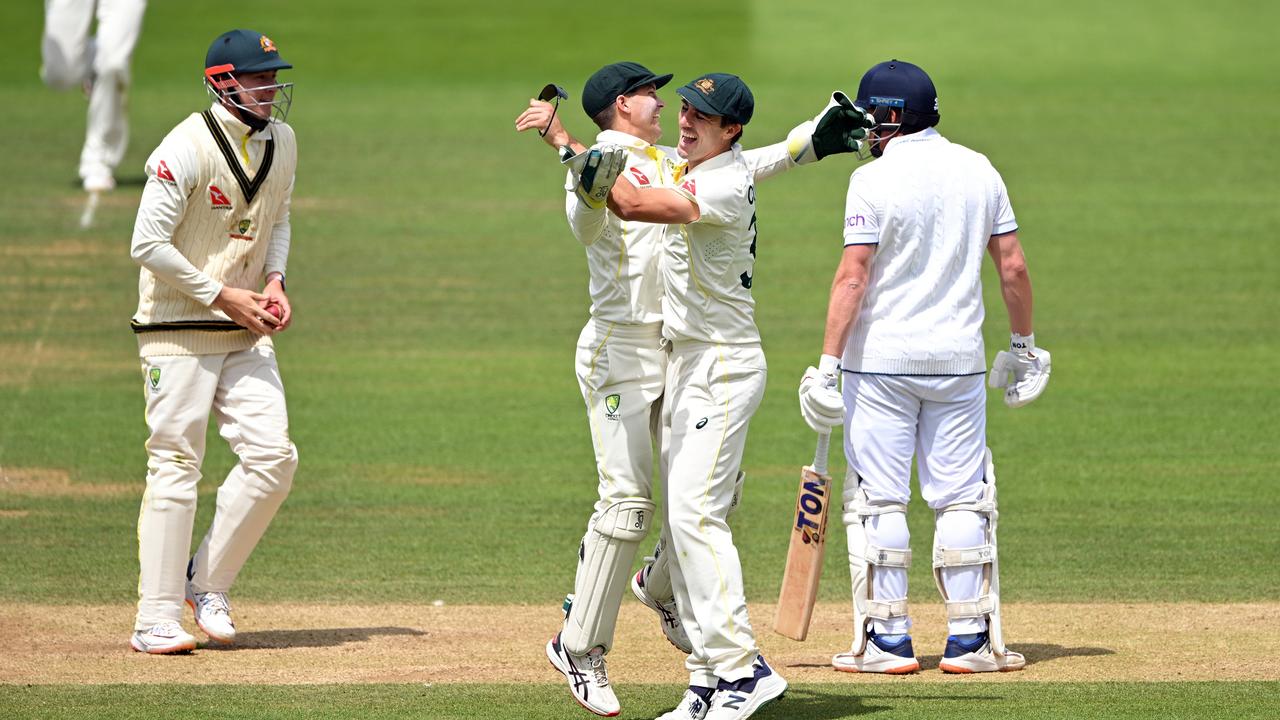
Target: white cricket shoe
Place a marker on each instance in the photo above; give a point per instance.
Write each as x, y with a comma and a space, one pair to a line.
99, 181
879, 657
588, 677
973, 654
667, 617
740, 699
213, 615
162, 639
693, 706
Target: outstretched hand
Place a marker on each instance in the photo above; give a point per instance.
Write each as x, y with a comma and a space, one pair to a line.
841, 128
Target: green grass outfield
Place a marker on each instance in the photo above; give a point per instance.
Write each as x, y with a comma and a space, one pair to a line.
438, 296
1070, 701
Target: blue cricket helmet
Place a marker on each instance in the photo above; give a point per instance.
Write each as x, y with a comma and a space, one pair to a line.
902, 85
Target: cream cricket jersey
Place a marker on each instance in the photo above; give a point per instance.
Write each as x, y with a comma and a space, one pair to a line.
214, 212
622, 256
707, 265
931, 206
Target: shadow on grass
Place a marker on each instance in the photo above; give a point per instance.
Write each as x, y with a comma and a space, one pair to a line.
322, 637
1035, 653
835, 704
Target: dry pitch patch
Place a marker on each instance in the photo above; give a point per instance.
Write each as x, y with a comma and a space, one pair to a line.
297, 644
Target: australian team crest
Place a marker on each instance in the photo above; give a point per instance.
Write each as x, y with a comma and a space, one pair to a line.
244, 225
154, 377
611, 404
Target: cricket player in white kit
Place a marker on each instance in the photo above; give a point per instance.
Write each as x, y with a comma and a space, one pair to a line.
72, 58
213, 224
621, 356
715, 381
904, 333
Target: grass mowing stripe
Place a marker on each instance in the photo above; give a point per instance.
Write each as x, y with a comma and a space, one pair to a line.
965, 698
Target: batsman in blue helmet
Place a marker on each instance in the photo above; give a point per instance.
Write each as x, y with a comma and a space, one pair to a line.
902, 369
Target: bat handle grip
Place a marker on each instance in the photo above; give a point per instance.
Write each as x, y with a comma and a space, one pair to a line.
821, 452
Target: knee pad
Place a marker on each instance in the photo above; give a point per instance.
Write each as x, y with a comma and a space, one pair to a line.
987, 604
605, 558
865, 557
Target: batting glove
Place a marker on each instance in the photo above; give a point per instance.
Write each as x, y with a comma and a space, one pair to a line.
595, 171
839, 128
1022, 371
821, 405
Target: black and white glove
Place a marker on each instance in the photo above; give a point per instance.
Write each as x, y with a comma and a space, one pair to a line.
821, 404
839, 128
1022, 370
595, 172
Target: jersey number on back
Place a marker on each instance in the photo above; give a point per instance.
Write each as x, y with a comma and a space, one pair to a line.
751, 198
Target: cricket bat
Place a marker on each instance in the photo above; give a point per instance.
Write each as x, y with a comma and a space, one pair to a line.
808, 542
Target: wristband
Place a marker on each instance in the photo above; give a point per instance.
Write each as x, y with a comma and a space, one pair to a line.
1021, 344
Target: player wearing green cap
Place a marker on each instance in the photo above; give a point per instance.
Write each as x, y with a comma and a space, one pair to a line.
212, 229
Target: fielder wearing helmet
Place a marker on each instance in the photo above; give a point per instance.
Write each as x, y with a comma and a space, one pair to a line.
240, 72
212, 240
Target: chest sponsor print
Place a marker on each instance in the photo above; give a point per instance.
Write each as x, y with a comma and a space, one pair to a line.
218, 200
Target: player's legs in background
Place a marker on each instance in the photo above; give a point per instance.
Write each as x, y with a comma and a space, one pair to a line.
107, 135
179, 391
252, 418
951, 446
64, 47
713, 392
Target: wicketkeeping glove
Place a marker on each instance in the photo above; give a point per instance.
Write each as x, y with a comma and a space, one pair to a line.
821, 404
839, 128
595, 171
1022, 370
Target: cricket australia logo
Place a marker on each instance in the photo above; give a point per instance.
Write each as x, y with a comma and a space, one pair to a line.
154, 377
611, 404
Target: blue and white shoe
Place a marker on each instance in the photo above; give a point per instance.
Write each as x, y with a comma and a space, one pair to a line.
588, 677
974, 654
740, 699
880, 656
693, 706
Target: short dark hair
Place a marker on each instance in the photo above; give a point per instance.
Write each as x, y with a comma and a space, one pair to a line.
604, 118
726, 122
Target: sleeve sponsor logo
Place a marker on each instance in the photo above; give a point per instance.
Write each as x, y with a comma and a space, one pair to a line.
690, 186
162, 172
855, 221
218, 199
640, 177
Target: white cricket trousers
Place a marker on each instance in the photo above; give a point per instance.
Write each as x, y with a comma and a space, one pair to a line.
942, 422
712, 392
71, 57
621, 373
244, 392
